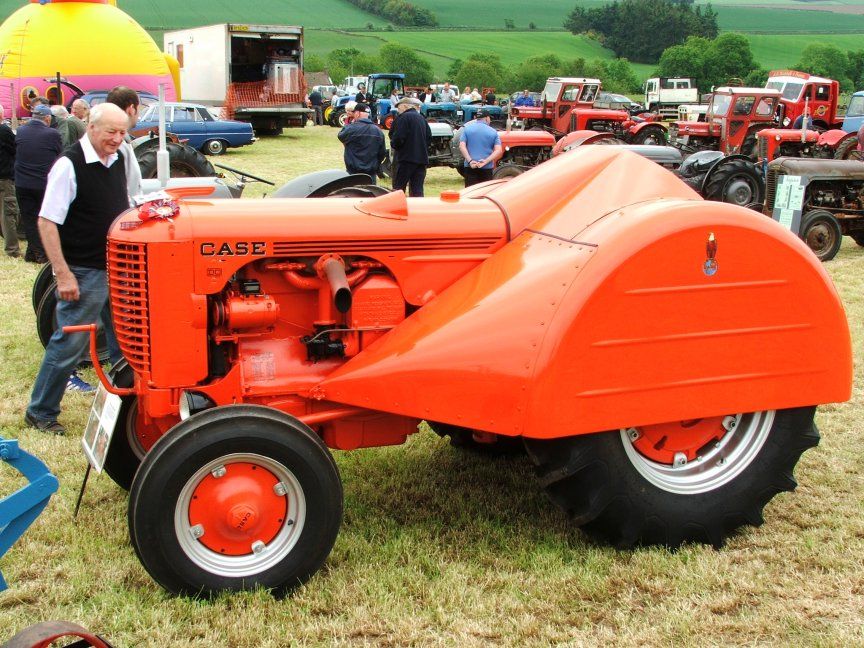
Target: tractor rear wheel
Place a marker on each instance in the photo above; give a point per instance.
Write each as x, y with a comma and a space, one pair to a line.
184, 162
43, 282
507, 170
125, 451
653, 135
848, 150
46, 323
673, 483
235, 498
735, 181
822, 234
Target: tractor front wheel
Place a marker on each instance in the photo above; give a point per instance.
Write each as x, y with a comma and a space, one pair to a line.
735, 181
848, 150
506, 171
235, 498
667, 484
822, 234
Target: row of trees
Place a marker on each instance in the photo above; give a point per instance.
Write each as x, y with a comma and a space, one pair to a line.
711, 62
398, 12
716, 62
641, 29
477, 70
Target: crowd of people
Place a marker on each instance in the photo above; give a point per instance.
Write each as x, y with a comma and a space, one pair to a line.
64, 178
365, 151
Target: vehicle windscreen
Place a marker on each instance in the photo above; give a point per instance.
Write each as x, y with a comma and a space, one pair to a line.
720, 105
383, 88
856, 107
550, 92
790, 90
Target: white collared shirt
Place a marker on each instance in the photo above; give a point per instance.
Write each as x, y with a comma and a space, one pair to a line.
62, 187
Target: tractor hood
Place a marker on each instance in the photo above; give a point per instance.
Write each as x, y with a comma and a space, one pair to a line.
564, 196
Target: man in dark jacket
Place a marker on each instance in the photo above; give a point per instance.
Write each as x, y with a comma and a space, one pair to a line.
316, 102
366, 98
37, 146
364, 143
409, 138
12, 228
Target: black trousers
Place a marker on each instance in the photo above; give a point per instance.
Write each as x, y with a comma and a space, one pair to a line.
29, 204
476, 176
411, 175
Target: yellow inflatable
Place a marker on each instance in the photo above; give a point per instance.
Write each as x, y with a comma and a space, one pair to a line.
91, 43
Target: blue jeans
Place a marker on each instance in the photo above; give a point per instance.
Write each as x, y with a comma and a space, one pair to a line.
65, 351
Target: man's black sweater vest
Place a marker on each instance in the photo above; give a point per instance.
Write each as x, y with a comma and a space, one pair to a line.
101, 196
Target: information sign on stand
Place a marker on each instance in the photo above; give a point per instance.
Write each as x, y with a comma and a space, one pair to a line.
789, 202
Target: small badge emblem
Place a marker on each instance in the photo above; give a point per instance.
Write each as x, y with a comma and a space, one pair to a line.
710, 265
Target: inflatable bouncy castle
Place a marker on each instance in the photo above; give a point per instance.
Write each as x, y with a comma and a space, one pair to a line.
91, 43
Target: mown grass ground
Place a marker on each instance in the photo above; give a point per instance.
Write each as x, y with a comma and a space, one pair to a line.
440, 547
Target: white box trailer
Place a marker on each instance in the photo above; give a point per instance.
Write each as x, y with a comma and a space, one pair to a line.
254, 71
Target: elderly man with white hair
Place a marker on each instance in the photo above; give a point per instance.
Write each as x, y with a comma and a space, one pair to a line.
86, 191
70, 128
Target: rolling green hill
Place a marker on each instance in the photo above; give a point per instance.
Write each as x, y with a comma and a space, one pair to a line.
161, 15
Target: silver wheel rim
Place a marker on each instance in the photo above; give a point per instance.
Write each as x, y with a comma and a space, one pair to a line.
131, 429
215, 147
256, 561
739, 192
716, 464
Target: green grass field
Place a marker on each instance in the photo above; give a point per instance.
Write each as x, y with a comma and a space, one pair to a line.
440, 547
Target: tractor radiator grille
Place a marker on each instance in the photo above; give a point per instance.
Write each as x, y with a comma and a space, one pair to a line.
301, 248
770, 189
127, 283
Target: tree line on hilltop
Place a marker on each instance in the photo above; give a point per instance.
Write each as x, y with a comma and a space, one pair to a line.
398, 12
480, 69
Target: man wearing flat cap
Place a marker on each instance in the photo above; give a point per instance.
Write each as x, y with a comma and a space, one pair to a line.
410, 136
37, 146
364, 143
480, 145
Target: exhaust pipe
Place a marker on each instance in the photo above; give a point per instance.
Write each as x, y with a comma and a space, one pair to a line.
333, 268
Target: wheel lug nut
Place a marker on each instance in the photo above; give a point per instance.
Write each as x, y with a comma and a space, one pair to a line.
218, 471
680, 459
197, 531
258, 547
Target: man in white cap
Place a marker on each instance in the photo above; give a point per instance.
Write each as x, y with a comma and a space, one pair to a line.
410, 136
364, 144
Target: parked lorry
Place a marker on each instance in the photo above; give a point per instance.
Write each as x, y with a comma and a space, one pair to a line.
665, 94
800, 91
257, 334
254, 71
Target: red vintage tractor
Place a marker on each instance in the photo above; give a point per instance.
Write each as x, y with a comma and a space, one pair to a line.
621, 124
783, 142
734, 117
634, 338
560, 96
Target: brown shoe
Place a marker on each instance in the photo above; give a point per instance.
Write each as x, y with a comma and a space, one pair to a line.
52, 427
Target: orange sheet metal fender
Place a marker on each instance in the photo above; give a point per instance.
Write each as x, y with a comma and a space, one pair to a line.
597, 316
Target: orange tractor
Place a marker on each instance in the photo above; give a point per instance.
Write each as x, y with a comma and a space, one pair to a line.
652, 352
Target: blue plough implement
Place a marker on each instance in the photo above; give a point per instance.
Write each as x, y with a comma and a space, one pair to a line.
21, 508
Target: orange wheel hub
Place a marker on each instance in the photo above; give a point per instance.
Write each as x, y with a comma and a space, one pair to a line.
663, 441
238, 508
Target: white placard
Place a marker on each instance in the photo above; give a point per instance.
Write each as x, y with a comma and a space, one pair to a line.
100, 427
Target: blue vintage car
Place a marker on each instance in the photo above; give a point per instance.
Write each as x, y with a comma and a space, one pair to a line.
195, 125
